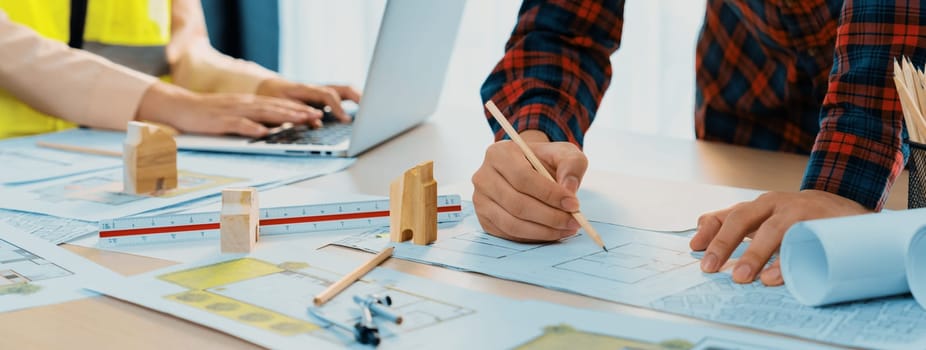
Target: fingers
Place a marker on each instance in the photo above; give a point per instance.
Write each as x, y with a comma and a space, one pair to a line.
766, 241
739, 222
321, 95
569, 161
274, 110
708, 225
240, 126
506, 158
772, 275
347, 92
497, 221
492, 185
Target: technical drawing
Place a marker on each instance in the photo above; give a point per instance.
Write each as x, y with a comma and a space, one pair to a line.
628, 263
18, 267
897, 320
107, 189
275, 297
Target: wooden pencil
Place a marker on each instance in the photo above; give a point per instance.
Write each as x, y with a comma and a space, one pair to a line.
79, 149
535, 162
336, 288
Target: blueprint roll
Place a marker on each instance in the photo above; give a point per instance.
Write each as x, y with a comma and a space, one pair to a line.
916, 266
851, 258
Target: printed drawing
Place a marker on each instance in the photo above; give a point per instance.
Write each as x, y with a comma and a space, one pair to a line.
275, 297
566, 337
18, 267
629, 263
107, 189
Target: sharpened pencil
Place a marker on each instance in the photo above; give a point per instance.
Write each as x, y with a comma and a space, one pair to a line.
352, 277
535, 162
79, 149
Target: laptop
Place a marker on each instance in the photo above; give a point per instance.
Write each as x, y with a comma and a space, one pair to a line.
403, 85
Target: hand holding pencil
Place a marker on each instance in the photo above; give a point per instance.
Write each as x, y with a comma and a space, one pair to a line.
516, 200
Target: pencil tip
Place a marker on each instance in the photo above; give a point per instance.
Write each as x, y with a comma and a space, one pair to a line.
605, 249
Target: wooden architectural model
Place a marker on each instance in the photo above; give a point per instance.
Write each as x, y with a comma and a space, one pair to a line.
240, 220
413, 206
150, 157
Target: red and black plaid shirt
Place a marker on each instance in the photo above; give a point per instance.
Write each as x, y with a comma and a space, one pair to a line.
805, 76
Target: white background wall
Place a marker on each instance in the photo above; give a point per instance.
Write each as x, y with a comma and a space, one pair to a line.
652, 91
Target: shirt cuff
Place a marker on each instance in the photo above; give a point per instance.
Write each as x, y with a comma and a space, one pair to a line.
536, 116
853, 167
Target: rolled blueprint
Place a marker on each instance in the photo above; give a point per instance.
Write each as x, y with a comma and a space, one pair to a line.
851, 258
916, 266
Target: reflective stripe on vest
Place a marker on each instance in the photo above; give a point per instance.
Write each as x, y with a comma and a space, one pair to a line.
133, 33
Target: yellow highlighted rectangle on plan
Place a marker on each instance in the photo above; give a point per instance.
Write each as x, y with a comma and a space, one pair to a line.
244, 313
220, 274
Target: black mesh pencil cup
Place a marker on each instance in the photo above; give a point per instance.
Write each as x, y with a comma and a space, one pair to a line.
916, 197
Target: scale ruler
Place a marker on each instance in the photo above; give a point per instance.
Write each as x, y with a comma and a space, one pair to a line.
273, 221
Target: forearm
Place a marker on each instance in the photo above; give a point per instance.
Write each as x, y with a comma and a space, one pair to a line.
859, 151
196, 65
70, 84
556, 67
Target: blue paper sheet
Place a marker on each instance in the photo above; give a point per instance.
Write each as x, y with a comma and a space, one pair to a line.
263, 298
25, 162
658, 271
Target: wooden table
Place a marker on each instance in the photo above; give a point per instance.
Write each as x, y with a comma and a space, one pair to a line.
456, 140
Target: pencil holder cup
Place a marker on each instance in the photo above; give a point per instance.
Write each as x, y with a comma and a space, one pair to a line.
916, 195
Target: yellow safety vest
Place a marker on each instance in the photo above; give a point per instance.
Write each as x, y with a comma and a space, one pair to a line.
133, 33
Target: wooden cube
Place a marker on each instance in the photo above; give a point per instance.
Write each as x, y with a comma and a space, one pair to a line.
240, 220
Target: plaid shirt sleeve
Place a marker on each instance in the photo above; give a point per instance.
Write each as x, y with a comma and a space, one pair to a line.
859, 151
556, 67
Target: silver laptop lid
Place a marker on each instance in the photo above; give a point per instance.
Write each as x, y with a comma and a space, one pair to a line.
406, 75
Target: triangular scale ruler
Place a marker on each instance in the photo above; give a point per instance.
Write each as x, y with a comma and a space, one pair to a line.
273, 221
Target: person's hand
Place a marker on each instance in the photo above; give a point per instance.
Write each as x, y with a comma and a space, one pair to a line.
765, 220
329, 95
515, 202
217, 114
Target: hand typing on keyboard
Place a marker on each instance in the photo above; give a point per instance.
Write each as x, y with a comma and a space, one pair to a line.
323, 97
330, 134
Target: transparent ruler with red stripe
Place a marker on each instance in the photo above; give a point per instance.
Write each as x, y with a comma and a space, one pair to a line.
273, 221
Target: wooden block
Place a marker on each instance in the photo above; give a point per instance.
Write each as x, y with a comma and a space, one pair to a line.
150, 157
240, 220
413, 206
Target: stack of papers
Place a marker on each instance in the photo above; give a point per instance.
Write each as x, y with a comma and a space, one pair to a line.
59, 195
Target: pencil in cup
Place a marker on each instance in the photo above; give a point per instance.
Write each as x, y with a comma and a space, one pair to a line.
535, 162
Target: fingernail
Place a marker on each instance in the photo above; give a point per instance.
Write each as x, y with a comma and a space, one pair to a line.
742, 273
570, 204
709, 262
773, 273
571, 183
573, 225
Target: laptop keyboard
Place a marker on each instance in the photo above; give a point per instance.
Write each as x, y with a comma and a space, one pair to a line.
330, 134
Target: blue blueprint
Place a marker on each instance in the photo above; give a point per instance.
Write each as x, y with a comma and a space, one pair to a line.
656, 270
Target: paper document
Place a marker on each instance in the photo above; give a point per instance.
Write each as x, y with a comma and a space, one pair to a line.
263, 298
99, 195
25, 162
34, 272
916, 266
835, 260
659, 271
53, 229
